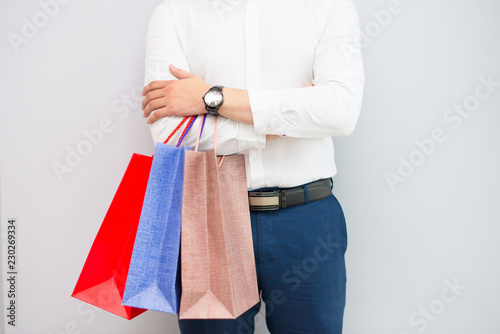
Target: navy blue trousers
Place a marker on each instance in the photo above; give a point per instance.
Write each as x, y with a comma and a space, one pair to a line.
299, 256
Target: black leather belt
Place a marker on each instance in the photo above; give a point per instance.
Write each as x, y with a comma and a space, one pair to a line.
267, 200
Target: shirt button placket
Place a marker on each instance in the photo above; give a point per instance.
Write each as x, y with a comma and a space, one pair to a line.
253, 81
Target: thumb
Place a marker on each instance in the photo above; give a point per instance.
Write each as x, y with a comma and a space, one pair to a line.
180, 73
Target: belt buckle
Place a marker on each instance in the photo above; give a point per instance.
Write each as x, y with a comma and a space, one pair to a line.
265, 200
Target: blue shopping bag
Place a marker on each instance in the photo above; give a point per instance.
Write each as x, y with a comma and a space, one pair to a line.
153, 279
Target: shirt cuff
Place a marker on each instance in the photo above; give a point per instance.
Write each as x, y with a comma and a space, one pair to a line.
248, 138
265, 107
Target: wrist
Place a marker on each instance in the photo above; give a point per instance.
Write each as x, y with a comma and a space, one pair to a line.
237, 106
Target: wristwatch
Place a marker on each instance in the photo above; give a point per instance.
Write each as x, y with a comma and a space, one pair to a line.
213, 100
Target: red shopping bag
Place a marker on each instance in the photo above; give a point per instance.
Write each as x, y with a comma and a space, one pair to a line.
104, 274
103, 277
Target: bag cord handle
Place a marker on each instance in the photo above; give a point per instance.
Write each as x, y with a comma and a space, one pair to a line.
175, 130
200, 130
186, 129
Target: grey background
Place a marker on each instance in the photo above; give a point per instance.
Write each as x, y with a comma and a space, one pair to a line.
440, 224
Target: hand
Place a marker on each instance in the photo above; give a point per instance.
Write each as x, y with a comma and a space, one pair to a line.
271, 137
181, 97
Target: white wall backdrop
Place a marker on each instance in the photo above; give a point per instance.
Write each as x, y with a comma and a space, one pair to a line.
418, 179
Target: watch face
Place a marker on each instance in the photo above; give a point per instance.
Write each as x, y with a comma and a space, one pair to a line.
213, 98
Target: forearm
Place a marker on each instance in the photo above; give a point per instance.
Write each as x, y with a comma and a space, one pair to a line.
165, 106
232, 137
326, 110
236, 106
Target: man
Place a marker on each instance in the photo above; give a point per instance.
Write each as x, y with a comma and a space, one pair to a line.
284, 78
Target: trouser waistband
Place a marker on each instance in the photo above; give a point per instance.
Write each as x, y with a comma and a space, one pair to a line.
267, 200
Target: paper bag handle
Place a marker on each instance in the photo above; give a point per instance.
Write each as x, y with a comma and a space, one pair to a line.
200, 130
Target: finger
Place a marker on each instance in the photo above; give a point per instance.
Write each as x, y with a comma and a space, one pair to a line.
271, 137
153, 105
180, 73
160, 113
311, 85
153, 85
153, 95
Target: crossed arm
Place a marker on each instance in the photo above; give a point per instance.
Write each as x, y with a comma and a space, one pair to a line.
251, 117
183, 97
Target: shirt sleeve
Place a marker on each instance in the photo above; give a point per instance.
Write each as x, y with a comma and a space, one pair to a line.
164, 48
331, 107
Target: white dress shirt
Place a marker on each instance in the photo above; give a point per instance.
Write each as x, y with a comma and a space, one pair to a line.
273, 49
